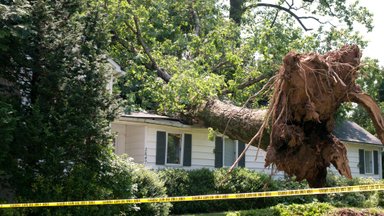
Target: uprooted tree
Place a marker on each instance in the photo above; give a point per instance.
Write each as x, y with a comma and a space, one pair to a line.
189, 59
308, 90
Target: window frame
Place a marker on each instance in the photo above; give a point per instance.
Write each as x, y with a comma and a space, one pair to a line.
181, 149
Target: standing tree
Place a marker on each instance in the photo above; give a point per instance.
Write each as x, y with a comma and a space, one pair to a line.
55, 108
200, 60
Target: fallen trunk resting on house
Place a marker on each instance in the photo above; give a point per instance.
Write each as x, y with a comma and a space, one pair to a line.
308, 90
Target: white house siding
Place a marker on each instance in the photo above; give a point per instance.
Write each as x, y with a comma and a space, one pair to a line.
202, 150
353, 157
130, 140
138, 140
119, 142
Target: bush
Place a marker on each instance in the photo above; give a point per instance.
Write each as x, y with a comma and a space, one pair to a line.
119, 178
204, 181
309, 209
292, 184
356, 199
242, 180
180, 182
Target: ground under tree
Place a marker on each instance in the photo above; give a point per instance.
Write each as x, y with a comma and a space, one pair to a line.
308, 90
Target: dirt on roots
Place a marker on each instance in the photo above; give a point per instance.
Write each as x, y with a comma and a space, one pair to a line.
308, 90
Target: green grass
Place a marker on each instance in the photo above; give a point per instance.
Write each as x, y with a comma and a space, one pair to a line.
310, 209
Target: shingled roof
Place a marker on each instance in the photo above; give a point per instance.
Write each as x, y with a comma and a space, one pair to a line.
351, 132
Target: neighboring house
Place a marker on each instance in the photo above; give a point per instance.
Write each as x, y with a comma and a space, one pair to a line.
160, 141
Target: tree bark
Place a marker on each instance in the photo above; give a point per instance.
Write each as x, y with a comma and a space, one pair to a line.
233, 121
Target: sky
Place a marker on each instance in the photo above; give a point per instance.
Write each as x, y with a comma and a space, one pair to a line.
375, 38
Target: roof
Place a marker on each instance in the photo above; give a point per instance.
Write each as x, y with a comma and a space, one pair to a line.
346, 130
351, 132
143, 117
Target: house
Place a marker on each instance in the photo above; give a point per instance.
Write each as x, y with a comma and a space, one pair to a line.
160, 141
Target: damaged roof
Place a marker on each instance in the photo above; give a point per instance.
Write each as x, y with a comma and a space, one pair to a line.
351, 132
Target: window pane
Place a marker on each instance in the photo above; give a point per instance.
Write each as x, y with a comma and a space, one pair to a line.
174, 148
229, 152
368, 161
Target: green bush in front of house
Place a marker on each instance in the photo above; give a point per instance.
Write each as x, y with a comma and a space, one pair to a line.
119, 178
360, 199
181, 182
204, 181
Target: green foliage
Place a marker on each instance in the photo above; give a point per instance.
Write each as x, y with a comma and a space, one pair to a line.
203, 181
310, 209
371, 81
206, 53
181, 182
119, 178
360, 199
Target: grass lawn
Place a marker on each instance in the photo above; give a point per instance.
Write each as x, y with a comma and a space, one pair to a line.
309, 212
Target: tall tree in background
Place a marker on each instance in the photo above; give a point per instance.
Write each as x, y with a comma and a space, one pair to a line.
185, 58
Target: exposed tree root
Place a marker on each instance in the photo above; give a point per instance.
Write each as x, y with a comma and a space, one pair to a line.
308, 91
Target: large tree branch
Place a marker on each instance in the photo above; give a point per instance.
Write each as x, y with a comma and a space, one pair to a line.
137, 30
160, 72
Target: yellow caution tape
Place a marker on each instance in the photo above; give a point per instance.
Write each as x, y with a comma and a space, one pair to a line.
312, 191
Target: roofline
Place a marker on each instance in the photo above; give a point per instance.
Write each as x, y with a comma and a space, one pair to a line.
156, 121
365, 143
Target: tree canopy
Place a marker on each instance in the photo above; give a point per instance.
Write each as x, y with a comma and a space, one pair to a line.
209, 52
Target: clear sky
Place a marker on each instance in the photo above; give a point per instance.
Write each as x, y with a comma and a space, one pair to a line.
375, 47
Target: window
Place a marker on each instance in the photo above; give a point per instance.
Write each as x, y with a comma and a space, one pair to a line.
229, 151
174, 148
226, 152
368, 162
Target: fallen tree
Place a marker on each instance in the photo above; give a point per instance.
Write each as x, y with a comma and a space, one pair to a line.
308, 90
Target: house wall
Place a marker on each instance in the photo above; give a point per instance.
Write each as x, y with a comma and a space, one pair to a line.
130, 140
202, 150
353, 157
138, 140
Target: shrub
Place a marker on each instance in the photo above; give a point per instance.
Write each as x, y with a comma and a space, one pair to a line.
204, 181
309, 209
291, 184
119, 178
356, 199
242, 180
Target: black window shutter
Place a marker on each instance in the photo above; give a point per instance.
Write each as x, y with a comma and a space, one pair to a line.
160, 147
376, 162
187, 150
219, 152
240, 149
361, 161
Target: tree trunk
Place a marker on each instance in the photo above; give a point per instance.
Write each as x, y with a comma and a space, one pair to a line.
308, 91
235, 122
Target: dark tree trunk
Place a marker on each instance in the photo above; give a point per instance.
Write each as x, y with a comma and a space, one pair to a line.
236, 10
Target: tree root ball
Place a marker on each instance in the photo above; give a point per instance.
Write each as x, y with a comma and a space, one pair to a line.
308, 90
